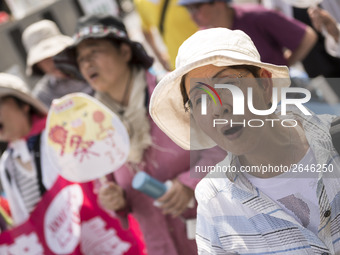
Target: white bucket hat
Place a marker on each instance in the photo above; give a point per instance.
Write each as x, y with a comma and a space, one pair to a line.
217, 46
11, 85
42, 40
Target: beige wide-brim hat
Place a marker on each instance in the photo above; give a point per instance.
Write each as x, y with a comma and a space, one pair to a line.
42, 40
11, 85
216, 46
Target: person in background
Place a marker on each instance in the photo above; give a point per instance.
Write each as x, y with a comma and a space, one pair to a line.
42, 41
280, 40
24, 175
251, 208
173, 24
26, 171
324, 23
117, 68
320, 61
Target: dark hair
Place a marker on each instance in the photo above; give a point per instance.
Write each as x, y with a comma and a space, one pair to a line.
117, 44
21, 103
133, 62
36, 71
118, 33
254, 70
135, 58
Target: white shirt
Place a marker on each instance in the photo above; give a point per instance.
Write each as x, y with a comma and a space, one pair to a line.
300, 200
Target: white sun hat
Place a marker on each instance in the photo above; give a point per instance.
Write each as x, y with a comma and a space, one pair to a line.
216, 46
42, 40
11, 85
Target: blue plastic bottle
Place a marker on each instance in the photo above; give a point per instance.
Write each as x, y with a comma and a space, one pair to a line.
148, 185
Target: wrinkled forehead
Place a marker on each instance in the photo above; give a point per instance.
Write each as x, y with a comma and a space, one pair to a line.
224, 89
217, 78
210, 72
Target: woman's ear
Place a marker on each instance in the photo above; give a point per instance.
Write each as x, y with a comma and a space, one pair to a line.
267, 83
26, 108
126, 52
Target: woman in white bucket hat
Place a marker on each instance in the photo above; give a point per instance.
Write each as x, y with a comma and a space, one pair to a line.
43, 40
277, 190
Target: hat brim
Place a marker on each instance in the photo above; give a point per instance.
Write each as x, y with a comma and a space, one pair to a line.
66, 60
167, 99
40, 107
46, 49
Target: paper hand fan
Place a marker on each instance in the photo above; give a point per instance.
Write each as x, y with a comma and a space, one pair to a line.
85, 140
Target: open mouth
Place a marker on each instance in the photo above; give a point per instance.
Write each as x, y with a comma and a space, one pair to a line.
232, 130
1, 127
93, 76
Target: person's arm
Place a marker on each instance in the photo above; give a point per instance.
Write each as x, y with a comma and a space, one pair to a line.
111, 197
289, 34
162, 57
177, 199
321, 18
306, 44
143, 8
324, 23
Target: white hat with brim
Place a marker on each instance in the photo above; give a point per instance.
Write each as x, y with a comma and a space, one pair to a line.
46, 49
11, 85
43, 40
216, 46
